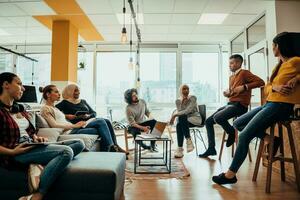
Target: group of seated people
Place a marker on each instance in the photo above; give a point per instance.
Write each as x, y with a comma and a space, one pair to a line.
16, 130
282, 92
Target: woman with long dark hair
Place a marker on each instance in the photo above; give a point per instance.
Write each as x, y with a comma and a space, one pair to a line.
282, 92
16, 132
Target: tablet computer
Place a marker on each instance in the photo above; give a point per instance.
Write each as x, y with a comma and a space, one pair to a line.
79, 113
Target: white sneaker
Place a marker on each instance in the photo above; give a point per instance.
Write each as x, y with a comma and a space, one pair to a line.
34, 173
189, 145
178, 152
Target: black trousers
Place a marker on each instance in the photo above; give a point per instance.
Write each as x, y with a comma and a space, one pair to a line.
183, 129
135, 131
221, 117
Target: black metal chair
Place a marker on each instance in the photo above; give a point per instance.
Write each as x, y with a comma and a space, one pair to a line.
197, 130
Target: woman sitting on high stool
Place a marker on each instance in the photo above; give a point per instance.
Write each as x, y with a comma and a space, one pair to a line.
283, 92
188, 116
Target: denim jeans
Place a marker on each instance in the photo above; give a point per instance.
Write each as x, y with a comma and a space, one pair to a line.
97, 127
253, 124
183, 129
55, 158
221, 117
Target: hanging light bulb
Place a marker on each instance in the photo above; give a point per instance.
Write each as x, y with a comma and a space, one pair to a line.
124, 36
138, 82
130, 64
124, 32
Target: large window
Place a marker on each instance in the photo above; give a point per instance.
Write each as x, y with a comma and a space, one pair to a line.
256, 32
158, 82
113, 78
85, 76
200, 72
6, 60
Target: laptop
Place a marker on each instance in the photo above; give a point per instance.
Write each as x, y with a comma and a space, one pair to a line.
157, 131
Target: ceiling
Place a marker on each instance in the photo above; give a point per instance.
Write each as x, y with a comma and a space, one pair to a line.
162, 20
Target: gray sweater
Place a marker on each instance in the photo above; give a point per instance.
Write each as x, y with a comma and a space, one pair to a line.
136, 113
189, 108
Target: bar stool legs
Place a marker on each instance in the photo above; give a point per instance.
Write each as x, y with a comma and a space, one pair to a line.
232, 148
280, 158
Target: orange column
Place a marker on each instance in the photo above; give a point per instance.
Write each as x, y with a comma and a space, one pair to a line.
64, 53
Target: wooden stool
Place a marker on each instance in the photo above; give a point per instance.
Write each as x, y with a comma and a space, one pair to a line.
232, 148
127, 136
281, 158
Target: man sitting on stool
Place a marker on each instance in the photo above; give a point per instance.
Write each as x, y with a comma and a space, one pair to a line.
137, 114
239, 94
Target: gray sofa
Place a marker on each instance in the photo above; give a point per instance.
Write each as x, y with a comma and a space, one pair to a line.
91, 175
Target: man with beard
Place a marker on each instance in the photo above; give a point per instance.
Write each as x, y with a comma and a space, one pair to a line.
138, 117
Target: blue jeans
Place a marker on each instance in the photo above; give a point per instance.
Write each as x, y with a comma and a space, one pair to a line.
55, 158
221, 117
97, 127
253, 124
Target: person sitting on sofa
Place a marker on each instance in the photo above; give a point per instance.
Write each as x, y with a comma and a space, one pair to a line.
138, 115
56, 119
16, 131
188, 116
71, 104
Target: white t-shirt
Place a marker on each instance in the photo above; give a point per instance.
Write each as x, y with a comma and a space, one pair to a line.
23, 124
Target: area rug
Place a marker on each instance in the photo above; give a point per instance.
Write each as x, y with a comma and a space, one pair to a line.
178, 169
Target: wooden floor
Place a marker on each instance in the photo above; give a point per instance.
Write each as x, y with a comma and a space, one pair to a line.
199, 185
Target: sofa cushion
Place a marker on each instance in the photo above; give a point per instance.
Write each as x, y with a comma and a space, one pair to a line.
89, 140
51, 133
40, 121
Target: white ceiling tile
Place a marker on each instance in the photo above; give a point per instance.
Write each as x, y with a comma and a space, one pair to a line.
95, 6
251, 7
158, 6
210, 37
177, 37
237, 19
189, 6
5, 22
220, 6
104, 19
207, 29
25, 21
109, 29
185, 18
154, 29
181, 29
8, 9
128, 18
154, 37
15, 31
35, 8
157, 19
38, 31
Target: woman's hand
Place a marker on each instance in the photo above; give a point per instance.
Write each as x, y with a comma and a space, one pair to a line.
71, 117
282, 89
293, 82
20, 149
79, 124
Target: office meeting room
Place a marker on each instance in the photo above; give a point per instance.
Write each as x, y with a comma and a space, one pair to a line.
149, 99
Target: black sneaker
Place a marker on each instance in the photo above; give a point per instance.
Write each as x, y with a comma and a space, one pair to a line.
209, 152
230, 140
153, 148
221, 179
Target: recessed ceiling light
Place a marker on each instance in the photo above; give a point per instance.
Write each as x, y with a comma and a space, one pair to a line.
3, 33
212, 18
139, 17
